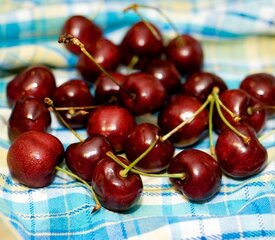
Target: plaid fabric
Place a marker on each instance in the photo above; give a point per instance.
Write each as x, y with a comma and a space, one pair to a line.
238, 38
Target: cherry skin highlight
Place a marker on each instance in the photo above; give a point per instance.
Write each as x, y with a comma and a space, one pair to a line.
115, 192
32, 158
203, 174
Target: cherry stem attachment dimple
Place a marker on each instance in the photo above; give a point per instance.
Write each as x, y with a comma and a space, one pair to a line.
188, 120
125, 171
48, 101
135, 7
98, 205
227, 123
182, 176
68, 38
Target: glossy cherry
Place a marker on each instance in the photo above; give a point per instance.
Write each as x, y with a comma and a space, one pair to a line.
145, 94
36, 81
203, 174
262, 87
82, 28
105, 53
115, 192
139, 139
28, 114
237, 158
166, 72
186, 53
106, 90
143, 42
243, 105
178, 109
113, 122
74, 93
201, 84
82, 157
33, 156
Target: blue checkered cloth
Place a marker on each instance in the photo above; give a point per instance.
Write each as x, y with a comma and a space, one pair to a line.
238, 38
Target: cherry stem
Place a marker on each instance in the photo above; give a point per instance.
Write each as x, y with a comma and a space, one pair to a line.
188, 120
50, 103
68, 38
133, 62
98, 205
160, 12
182, 176
135, 7
227, 123
210, 126
75, 108
233, 115
263, 137
124, 172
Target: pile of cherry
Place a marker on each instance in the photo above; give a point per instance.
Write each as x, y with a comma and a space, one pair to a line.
163, 79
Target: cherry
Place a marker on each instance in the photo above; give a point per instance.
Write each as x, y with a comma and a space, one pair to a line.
70, 94
186, 53
201, 84
36, 81
28, 114
83, 156
105, 89
115, 192
82, 28
262, 87
166, 72
178, 109
33, 156
243, 105
113, 122
203, 174
237, 158
144, 41
105, 53
139, 139
144, 94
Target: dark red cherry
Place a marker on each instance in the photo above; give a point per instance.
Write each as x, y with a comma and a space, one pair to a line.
262, 87
33, 156
203, 174
82, 157
28, 114
115, 192
201, 84
180, 108
113, 122
105, 89
36, 81
144, 94
74, 93
143, 42
186, 53
139, 139
166, 72
105, 52
82, 28
237, 158
244, 105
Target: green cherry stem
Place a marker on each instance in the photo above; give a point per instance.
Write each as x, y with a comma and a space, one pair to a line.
68, 38
98, 205
182, 176
228, 124
264, 136
124, 172
188, 120
210, 126
233, 115
50, 103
